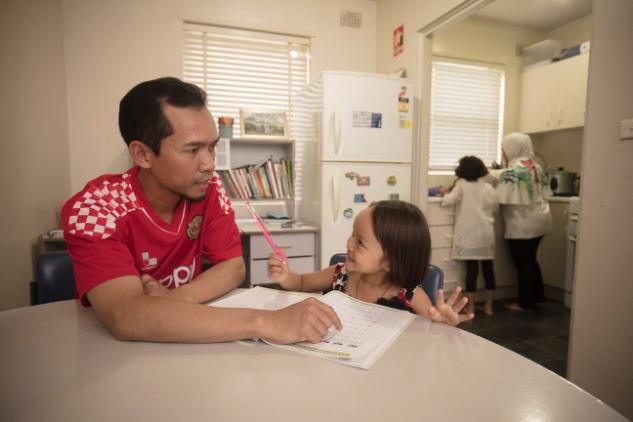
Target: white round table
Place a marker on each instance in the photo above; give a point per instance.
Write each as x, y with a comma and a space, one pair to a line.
59, 363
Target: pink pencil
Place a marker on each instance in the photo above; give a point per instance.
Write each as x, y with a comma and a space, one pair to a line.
267, 236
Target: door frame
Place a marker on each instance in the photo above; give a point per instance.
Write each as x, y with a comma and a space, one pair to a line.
424, 55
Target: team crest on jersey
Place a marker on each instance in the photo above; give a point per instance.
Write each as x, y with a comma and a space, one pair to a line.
194, 226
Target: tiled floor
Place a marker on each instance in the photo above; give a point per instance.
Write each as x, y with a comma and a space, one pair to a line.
541, 335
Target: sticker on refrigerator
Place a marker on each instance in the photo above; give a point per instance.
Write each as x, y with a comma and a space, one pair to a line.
391, 180
362, 181
359, 198
351, 175
348, 213
403, 100
367, 119
404, 122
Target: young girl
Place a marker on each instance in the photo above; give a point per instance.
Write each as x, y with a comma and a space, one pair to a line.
387, 257
473, 234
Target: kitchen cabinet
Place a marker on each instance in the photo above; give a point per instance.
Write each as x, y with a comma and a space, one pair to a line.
553, 96
441, 220
552, 253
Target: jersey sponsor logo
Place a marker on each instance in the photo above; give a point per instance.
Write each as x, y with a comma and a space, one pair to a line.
194, 226
148, 262
180, 275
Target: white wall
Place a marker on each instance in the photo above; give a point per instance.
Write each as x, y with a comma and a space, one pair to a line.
414, 15
34, 173
601, 348
67, 63
112, 45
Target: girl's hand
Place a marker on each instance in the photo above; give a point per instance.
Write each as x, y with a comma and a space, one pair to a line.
278, 271
448, 312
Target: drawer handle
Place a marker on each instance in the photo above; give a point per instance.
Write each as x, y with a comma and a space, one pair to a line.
448, 259
286, 246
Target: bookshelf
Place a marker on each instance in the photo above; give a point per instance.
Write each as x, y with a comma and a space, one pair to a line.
236, 153
298, 241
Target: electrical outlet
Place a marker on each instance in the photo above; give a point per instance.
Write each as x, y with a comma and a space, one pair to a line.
626, 130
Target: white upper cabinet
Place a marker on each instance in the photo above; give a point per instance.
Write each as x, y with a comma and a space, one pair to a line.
553, 96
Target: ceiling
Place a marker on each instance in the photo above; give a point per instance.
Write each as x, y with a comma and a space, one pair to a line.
540, 15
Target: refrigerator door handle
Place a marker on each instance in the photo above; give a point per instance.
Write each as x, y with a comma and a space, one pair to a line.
335, 196
335, 127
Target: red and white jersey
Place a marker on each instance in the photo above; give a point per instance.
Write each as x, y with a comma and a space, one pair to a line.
112, 231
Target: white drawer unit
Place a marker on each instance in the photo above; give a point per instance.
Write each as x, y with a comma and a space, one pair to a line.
441, 220
293, 244
454, 270
299, 249
437, 215
441, 236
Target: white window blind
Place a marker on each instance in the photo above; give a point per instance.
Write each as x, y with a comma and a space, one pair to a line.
467, 102
244, 69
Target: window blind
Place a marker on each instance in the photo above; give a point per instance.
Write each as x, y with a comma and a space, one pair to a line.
244, 69
467, 103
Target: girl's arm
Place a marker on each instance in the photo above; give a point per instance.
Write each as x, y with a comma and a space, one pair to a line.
491, 196
279, 272
446, 312
454, 196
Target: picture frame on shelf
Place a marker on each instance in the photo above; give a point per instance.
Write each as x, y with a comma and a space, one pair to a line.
265, 124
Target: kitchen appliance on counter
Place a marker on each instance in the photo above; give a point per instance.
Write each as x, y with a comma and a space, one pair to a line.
563, 183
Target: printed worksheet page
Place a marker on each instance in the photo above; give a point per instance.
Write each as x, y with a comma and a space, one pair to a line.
368, 329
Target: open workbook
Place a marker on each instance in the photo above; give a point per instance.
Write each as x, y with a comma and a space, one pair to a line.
368, 329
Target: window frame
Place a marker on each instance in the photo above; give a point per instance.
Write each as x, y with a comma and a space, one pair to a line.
463, 149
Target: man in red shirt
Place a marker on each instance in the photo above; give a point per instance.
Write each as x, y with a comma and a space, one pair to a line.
137, 239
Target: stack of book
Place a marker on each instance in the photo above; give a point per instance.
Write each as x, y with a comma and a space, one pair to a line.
267, 179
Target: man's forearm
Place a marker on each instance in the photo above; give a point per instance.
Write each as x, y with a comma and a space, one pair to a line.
146, 318
214, 282
130, 314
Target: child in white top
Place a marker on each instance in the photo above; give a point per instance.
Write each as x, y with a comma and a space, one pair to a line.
387, 257
473, 235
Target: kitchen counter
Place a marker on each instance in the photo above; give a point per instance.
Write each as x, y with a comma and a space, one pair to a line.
550, 199
561, 198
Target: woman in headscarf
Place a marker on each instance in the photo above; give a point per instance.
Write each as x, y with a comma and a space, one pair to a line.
522, 192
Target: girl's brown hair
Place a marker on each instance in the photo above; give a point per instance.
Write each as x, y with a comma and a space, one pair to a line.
404, 236
471, 168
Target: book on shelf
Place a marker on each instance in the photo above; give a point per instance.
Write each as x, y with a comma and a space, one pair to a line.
263, 180
368, 329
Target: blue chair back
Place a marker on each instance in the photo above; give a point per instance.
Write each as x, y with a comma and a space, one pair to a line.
54, 278
338, 258
433, 281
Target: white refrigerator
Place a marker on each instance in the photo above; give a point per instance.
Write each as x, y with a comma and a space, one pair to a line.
353, 137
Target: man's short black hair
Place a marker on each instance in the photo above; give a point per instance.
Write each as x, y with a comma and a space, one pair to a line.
471, 168
141, 116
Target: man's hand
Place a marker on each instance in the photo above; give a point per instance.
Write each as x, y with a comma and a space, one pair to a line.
448, 312
151, 287
308, 320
